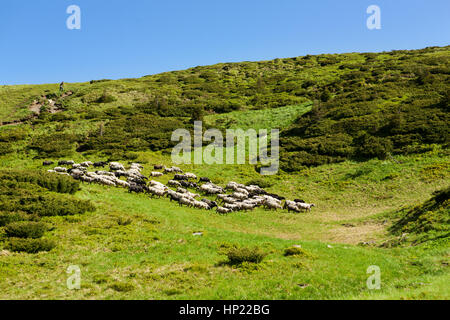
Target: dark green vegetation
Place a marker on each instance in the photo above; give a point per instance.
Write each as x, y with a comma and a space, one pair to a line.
365, 105
427, 221
364, 137
25, 197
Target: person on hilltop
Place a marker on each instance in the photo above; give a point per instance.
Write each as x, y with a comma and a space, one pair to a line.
61, 87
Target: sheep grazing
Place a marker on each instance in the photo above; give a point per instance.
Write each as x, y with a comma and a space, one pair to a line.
135, 188
86, 164
232, 206
113, 166
168, 170
221, 196
107, 182
254, 189
76, 174
229, 200
100, 164
105, 173
136, 180
120, 173
185, 201
291, 206
87, 179
181, 190
200, 205
136, 165
190, 175
122, 183
238, 195
158, 167
191, 195
173, 183
223, 210
204, 179
180, 177
210, 203
185, 184
174, 195
271, 199
193, 185
234, 186
156, 174
47, 163
305, 206
247, 205
65, 162
209, 188
270, 204
158, 192
242, 198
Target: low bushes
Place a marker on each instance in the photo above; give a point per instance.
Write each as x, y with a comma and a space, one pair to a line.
30, 245
26, 229
52, 182
237, 256
54, 145
122, 287
25, 197
263, 183
8, 217
295, 251
427, 221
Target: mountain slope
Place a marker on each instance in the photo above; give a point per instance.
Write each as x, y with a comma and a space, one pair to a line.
365, 105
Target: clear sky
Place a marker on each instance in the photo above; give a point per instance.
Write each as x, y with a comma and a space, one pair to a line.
125, 39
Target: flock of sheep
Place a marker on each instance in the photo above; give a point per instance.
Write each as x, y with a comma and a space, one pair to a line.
240, 198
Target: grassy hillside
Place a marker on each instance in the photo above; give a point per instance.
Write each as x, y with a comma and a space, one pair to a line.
368, 105
427, 221
364, 137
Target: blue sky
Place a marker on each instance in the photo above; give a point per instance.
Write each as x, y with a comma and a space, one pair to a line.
125, 39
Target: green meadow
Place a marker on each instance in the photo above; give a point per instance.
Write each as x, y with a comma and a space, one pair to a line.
363, 136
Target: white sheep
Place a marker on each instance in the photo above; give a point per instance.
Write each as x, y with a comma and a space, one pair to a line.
223, 210
156, 174
190, 175
305, 206
174, 183
116, 166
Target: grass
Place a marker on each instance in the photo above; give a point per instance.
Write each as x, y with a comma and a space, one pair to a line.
258, 119
154, 254
133, 247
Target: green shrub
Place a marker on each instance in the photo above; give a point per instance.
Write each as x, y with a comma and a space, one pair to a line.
263, 183
106, 98
56, 145
122, 286
124, 221
295, 251
8, 217
101, 278
237, 256
58, 206
427, 221
5, 148
52, 182
25, 229
30, 245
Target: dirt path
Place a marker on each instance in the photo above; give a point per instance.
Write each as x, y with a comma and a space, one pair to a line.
35, 108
